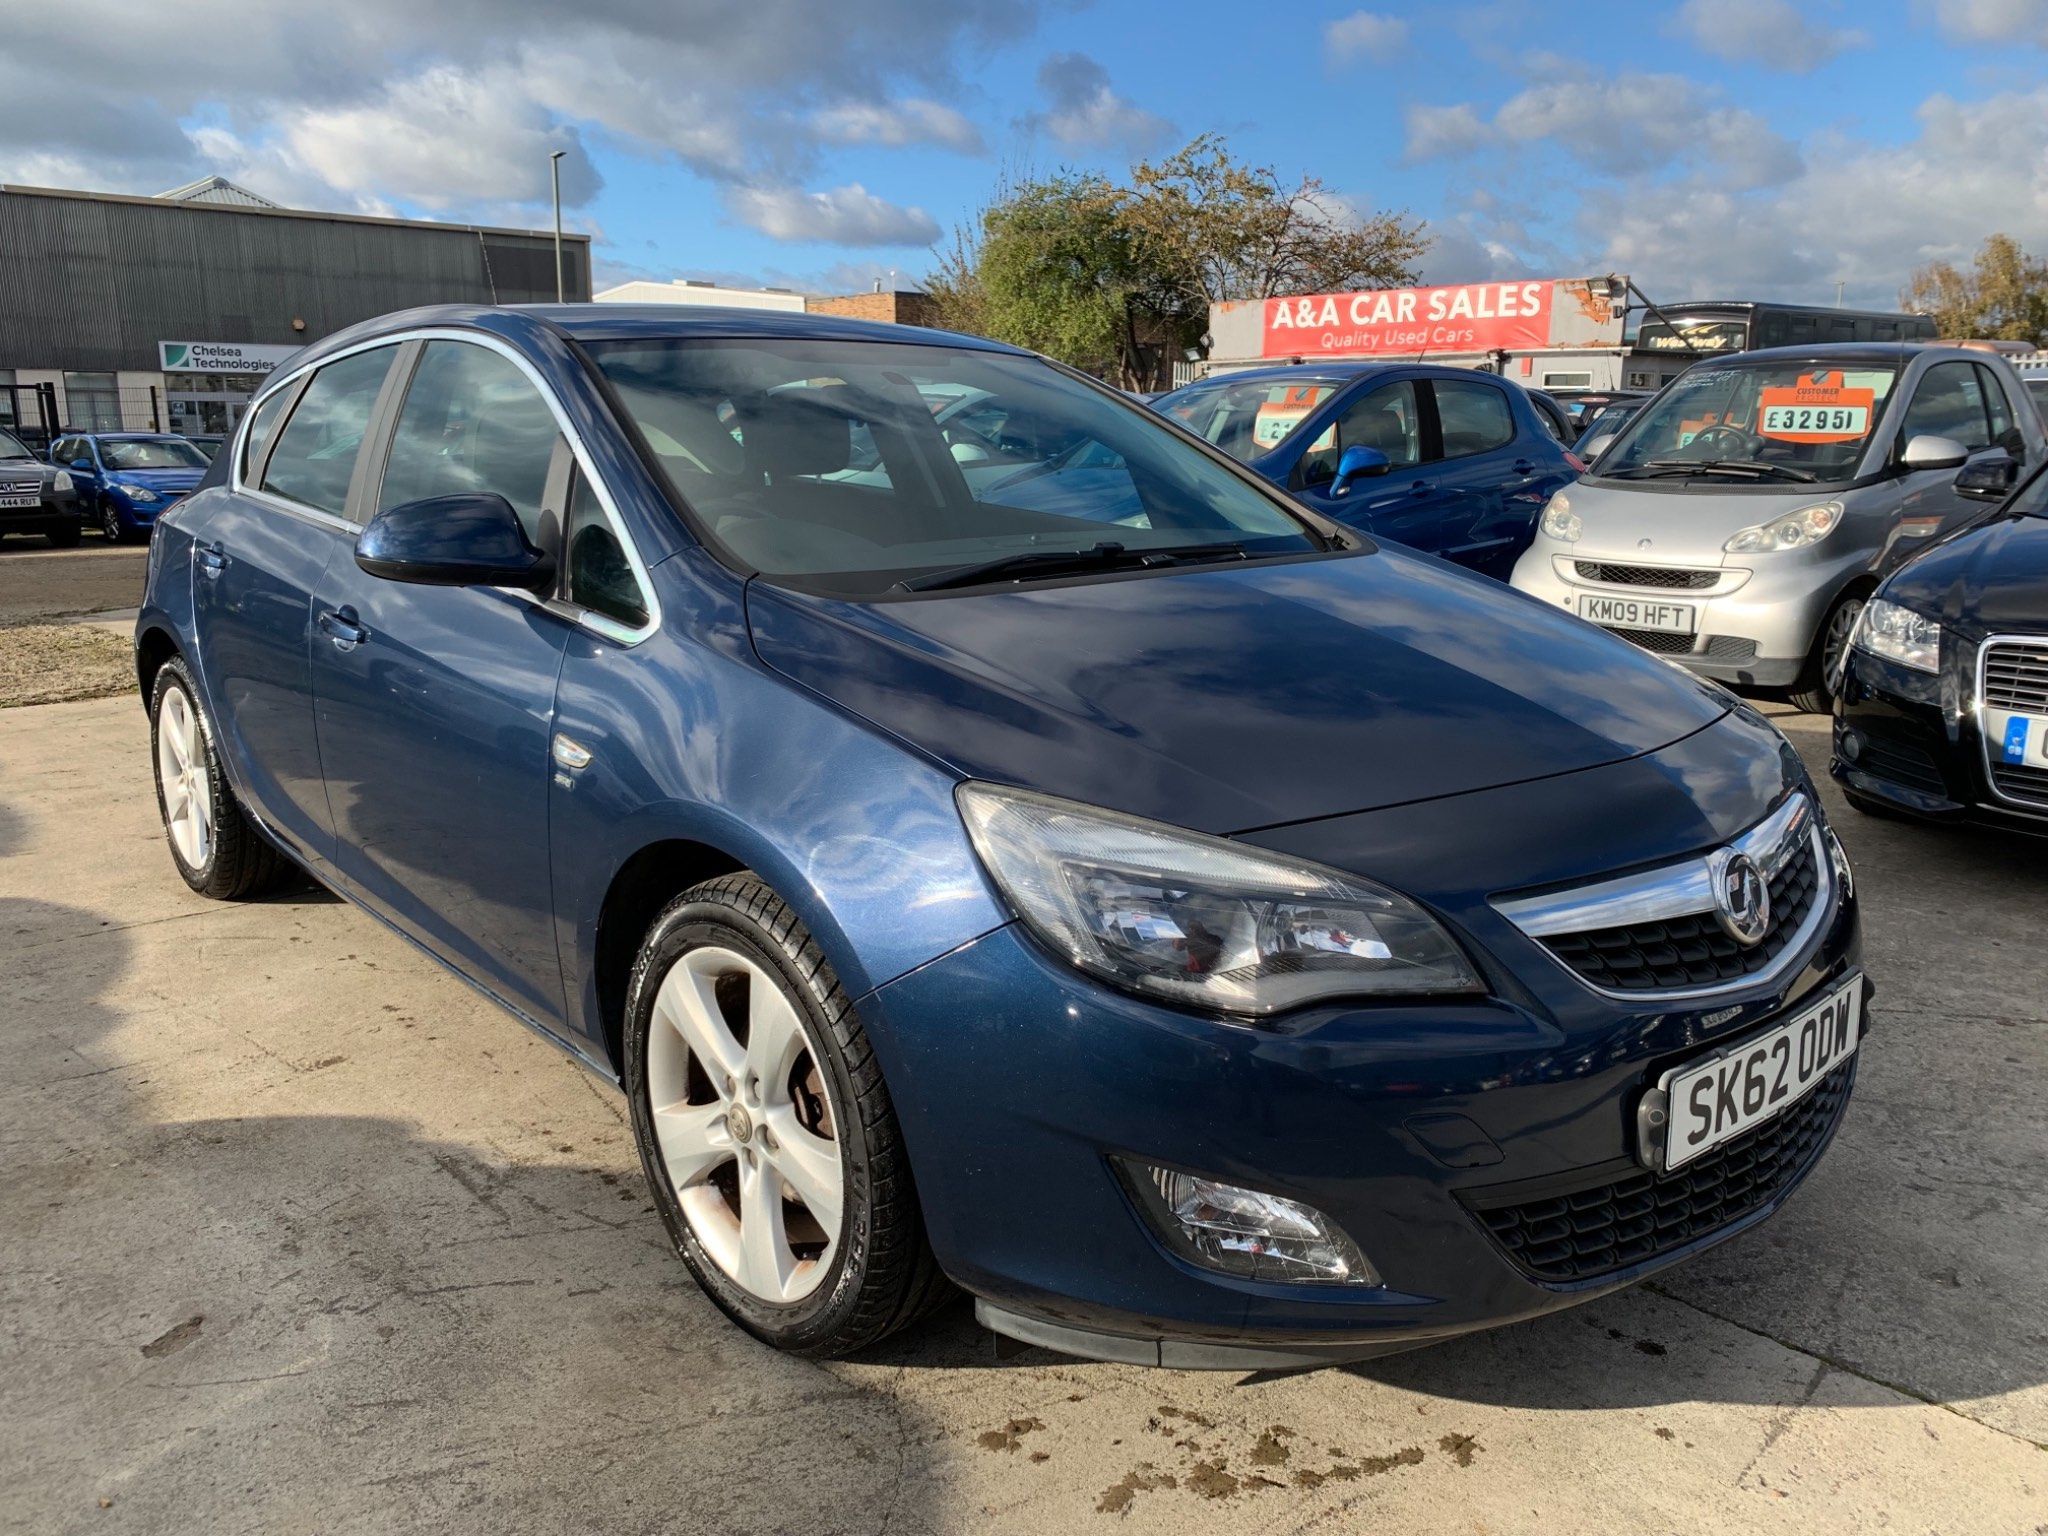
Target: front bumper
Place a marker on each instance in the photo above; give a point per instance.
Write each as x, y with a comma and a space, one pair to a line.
1021, 1080
1755, 625
1909, 741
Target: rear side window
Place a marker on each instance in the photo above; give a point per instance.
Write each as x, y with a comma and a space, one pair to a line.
472, 421
316, 452
1948, 403
261, 427
1475, 417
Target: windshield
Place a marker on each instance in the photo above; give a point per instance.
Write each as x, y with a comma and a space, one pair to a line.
1249, 417
11, 448
857, 465
150, 453
1777, 420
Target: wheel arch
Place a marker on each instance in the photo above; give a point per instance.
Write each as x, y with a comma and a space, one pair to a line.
154, 646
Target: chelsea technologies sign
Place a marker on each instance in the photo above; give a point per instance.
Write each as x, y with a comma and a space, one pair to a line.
220, 356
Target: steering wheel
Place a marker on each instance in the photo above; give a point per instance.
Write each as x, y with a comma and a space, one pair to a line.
1706, 437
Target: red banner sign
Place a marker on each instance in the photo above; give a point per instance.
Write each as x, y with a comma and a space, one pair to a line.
1468, 317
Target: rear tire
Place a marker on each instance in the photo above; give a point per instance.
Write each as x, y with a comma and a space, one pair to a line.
771, 1110
1812, 692
215, 845
63, 535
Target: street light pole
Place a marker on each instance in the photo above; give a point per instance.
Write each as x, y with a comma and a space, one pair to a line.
555, 175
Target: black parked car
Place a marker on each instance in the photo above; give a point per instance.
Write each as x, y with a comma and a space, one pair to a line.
1943, 707
36, 497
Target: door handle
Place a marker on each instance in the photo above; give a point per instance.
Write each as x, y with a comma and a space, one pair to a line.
212, 560
1420, 488
343, 627
1523, 467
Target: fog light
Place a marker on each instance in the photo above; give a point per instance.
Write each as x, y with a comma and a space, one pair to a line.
1852, 745
1244, 1232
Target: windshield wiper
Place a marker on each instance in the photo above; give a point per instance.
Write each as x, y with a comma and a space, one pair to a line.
1061, 562
1737, 466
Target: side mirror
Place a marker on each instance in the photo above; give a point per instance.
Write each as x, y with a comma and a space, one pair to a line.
84, 465
1593, 447
473, 539
1356, 463
1988, 477
1927, 451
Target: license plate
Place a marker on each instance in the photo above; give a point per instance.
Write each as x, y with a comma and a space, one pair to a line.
2024, 740
1634, 613
20, 501
1717, 1100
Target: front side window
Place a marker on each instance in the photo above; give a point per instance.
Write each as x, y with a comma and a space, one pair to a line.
600, 577
1783, 421
1386, 418
261, 425
1475, 417
1949, 402
472, 421
316, 452
151, 453
825, 460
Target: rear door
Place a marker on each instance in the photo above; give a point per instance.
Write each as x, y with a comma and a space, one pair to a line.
257, 553
434, 705
1494, 476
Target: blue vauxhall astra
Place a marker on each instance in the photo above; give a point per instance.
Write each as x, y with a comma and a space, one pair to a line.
996, 841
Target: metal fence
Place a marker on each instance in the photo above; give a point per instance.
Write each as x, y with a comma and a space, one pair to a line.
36, 413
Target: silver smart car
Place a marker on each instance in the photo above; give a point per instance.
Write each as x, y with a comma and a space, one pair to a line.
1738, 521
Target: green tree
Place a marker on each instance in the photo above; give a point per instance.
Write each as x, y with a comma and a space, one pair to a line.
2003, 297
1110, 278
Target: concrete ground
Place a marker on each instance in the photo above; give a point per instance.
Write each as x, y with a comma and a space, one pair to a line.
296, 1233
38, 582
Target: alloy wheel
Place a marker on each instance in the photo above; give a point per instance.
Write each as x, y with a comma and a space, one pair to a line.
744, 1123
1841, 625
182, 776
110, 522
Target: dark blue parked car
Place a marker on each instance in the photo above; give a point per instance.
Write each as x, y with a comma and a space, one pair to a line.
126, 480
1207, 935
1445, 460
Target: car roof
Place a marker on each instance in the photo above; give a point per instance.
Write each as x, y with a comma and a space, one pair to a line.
130, 437
1896, 353
1330, 368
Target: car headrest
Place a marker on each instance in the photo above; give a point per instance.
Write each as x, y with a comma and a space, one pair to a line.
790, 434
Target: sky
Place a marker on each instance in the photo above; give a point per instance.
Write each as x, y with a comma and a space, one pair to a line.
1708, 148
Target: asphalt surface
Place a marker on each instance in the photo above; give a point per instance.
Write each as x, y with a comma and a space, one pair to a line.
39, 582
297, 1233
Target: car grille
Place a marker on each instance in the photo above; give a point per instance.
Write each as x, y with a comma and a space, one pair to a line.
30, 487
1730, 648
2018, 782
1647, 576
1656, 640
1902, 763
1693, 950
1617, 1223
2016, 677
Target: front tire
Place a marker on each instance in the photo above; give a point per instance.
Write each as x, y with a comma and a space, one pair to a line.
765, 1130
111, 524
215, 845
1812, 692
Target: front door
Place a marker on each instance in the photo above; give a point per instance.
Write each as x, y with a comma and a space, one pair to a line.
434, 705
257, 554
1410, 504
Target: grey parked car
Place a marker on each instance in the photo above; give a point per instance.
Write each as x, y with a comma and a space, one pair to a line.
1739, 520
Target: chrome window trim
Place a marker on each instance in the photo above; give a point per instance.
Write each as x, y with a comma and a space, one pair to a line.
1686, 889
1979, 709
597, 623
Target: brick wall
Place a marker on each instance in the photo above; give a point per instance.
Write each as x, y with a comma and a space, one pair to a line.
891, 308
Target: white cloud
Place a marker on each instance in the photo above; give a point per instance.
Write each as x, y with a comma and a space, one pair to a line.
849, 215
1365, 34
1773, 33
1991, 21
1440, 132
897, 123
1630, 124
1085, 112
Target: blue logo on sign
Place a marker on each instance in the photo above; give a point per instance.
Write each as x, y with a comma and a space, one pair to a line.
2016, 741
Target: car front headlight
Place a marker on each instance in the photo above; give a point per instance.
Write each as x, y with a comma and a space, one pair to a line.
1896, 633
1559, 521
1795, 530
141, 493
1203, 921
60, 481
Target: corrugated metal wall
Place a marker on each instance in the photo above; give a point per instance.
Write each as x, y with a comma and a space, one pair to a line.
95, 284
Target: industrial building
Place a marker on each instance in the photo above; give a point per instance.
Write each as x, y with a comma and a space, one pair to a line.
166, 313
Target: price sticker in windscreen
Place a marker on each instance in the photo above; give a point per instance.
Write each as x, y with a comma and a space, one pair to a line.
1818, 409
